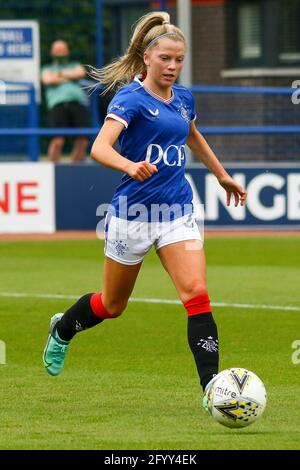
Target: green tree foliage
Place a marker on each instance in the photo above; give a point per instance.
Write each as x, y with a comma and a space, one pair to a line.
71, 20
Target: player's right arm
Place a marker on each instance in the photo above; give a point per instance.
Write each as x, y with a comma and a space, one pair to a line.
104, 153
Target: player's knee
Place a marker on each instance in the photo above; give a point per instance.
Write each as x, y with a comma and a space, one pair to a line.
192, 290
198, 304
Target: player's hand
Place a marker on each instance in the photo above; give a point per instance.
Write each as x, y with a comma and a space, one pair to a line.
232, 187
141, 170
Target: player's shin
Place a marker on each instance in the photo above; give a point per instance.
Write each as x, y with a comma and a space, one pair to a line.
87, 312
203, 337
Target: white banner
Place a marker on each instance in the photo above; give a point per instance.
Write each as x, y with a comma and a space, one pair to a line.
27, 198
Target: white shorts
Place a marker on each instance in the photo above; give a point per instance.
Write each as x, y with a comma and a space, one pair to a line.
129, 241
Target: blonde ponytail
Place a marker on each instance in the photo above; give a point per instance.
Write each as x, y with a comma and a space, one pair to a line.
147, 31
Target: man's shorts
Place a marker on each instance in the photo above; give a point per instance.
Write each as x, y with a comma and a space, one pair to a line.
127, 242
71, 114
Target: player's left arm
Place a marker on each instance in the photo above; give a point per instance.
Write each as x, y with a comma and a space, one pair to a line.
204, 153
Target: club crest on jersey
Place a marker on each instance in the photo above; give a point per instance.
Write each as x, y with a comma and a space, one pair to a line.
184, 113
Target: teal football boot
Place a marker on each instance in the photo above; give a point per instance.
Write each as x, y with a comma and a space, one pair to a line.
56, 349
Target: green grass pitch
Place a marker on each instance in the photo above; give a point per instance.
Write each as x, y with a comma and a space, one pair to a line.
131, 383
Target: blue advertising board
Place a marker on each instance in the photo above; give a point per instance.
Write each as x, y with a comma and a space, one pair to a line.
273, 196
80, 189
16, 42
20, 52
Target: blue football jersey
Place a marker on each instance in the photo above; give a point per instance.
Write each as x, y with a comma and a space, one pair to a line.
155, 130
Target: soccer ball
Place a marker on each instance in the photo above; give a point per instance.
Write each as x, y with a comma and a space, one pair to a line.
236, 397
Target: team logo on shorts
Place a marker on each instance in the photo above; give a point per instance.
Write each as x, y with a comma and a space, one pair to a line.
120, 247
189, 223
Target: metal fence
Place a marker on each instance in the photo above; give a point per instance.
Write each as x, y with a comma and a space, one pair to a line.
249, 123
18, 113
240, 123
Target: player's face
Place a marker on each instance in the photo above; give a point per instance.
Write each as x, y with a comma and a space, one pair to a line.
164, 62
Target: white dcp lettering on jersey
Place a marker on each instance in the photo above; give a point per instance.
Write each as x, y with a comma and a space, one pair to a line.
158, 153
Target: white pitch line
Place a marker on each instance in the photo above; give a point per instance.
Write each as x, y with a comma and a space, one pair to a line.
156, 301
262, 306
38, 296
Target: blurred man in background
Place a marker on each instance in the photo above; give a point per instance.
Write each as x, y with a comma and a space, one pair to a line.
65, 100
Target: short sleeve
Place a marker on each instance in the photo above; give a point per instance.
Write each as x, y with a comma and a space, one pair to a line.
123, 107
193, 108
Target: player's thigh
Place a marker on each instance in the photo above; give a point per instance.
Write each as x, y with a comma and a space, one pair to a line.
185, 263
118, 282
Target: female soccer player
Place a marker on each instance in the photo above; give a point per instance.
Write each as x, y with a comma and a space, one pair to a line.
153, 118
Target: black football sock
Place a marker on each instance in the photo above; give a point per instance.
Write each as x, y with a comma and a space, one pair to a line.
204, 344
79, 317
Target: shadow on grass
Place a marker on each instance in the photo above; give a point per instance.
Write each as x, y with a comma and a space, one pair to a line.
241, 432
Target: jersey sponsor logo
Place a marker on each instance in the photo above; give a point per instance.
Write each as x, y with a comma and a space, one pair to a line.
154, 113
173, 155
117, 106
